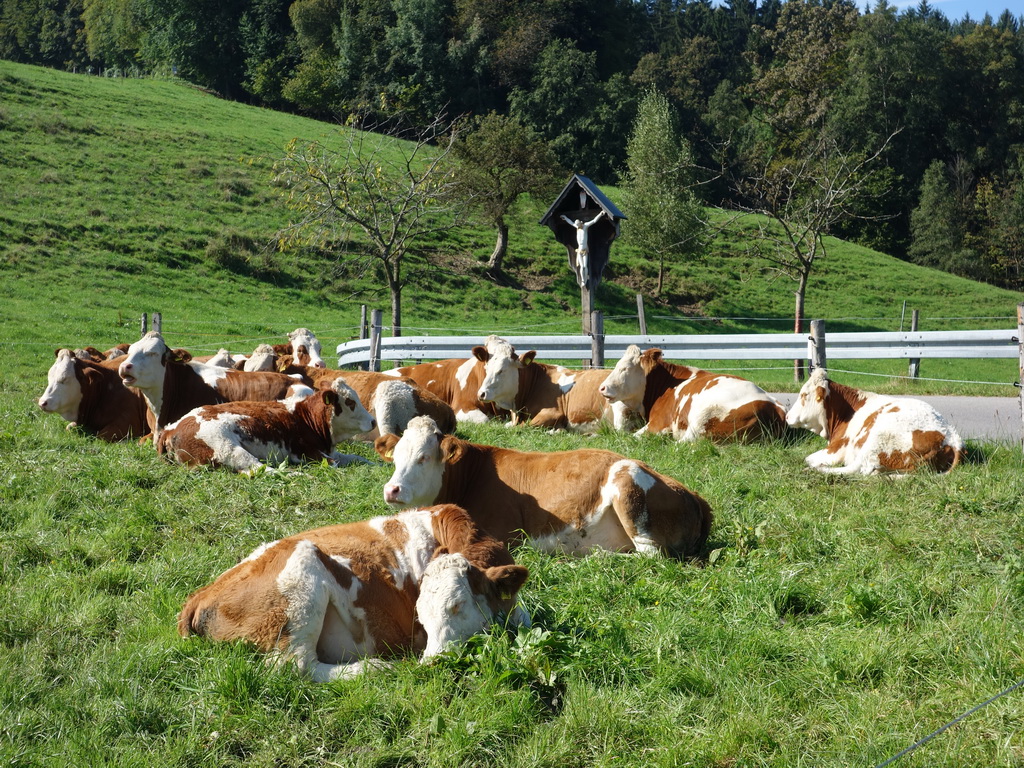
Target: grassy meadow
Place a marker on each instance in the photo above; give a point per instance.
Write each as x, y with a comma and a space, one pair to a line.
831, 622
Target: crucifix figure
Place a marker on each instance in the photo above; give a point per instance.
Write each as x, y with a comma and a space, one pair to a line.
581, 227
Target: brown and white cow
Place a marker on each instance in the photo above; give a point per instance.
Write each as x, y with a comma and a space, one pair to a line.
333, 599
90, 396
570, 501
248, 436
555, 397
478, 388
304, 347
692, 403
173, 387
869, 433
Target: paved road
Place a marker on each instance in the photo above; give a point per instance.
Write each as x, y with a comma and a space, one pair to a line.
975, 418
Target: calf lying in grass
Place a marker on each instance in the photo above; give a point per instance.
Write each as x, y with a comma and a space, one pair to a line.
332, 598
870, 433
244, 435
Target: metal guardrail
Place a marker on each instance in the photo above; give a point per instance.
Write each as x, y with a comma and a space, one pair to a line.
751, 346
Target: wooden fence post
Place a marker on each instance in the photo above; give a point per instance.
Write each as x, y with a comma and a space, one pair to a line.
818, 344
597, 339
915, 362
1020, 361
640, 314
375, 321
158, 322
145, 325
362, 333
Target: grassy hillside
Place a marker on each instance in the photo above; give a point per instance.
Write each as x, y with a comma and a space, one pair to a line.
119, 197
833, 622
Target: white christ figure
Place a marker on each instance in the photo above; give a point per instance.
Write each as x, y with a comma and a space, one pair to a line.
581, 244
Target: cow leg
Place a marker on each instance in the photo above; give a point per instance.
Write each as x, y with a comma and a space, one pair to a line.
627, 493
320, 622
336, 459
823, 458
325, 673
550, 418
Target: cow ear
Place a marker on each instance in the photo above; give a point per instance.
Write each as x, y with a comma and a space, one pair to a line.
330, 397
441, 550
655, 354
527, 357
507, 579
385, 446
451, 449
481, 354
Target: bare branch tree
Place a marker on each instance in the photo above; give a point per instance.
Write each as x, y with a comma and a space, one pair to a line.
801, 201
395, 194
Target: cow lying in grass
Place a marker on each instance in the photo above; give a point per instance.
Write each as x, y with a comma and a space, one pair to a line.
246, 436
692, 403
334, 598
392, 400
569, 501
869, 433
90, 396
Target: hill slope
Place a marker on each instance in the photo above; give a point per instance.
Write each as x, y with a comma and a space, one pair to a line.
119, 197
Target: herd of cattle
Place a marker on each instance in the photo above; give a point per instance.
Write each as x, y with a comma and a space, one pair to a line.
337, 599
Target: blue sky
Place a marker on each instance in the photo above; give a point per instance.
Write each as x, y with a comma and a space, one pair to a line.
954, 10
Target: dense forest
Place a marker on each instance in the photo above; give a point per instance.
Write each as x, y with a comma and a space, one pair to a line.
927, 111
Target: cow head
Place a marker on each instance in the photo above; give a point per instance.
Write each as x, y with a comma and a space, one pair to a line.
63, 393
808, 410
420, 455
350, 416
500, 385
143, 366
222, 359
306, 348
458, 600
628, 380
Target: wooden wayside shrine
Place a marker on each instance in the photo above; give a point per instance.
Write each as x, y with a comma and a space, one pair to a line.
586, 222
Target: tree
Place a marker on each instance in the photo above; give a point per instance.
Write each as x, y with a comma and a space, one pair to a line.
397, 194
802, 201
497, 161
938, 224
665, 216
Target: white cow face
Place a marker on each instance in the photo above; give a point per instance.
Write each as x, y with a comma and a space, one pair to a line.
63, 393
627, 381
501, 372
303, 338
457, 600
350, 416
143, 366
808, 410
419, 464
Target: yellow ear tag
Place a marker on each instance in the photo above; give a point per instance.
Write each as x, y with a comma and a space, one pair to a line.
505, 595
390, 454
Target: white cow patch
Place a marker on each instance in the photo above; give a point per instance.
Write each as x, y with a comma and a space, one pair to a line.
463, 372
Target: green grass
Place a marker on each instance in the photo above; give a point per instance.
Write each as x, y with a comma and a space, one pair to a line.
837, 620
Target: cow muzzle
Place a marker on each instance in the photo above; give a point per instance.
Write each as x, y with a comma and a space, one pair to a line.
392, 493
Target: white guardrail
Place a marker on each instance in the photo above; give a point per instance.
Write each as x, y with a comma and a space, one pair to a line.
742, 346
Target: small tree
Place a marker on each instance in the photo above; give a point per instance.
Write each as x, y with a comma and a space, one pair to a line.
665, 216
801, 201
395, 193
497, 161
